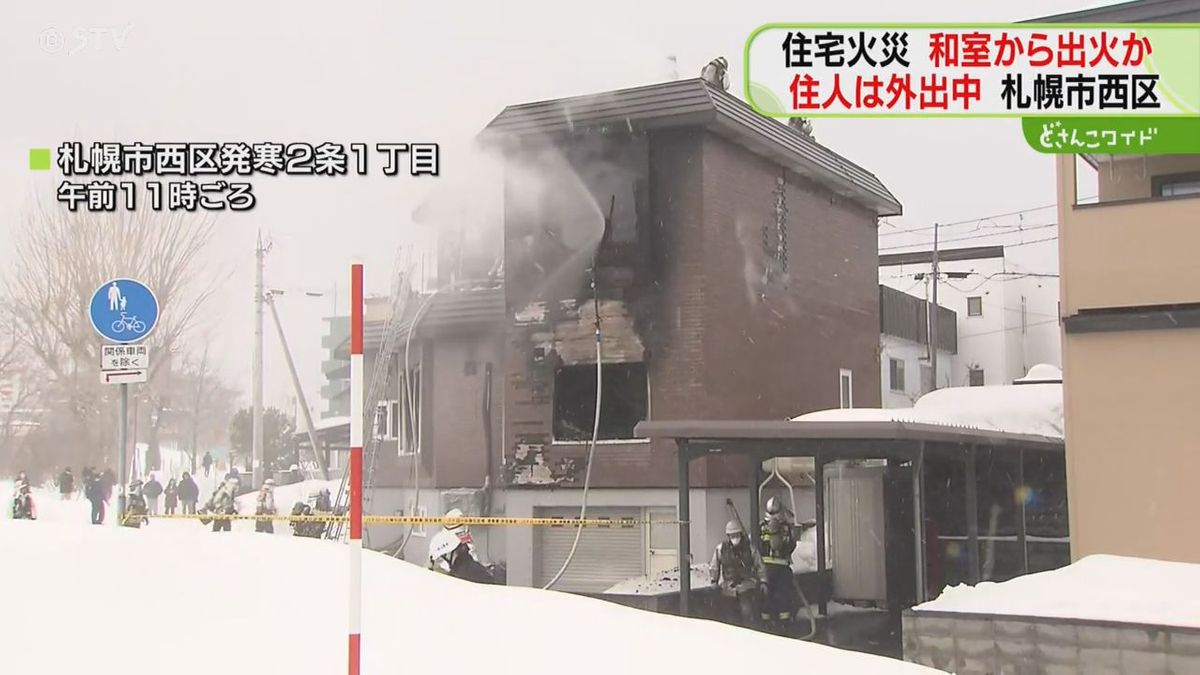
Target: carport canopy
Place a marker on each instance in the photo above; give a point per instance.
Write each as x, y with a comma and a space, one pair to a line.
828, 441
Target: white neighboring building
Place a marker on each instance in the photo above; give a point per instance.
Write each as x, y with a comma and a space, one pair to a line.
1007, 319
905, 372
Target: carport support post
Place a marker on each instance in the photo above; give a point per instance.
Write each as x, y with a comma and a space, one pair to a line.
918, 471
756, 479
819, 497
972, 511
1023, 493
685, 529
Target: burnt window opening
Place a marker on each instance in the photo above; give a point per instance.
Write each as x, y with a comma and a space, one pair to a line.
624, 401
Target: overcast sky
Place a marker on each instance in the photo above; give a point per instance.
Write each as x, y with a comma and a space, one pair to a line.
387, 71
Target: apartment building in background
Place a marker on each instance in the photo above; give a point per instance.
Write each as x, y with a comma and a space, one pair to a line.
1006, 314
906, 372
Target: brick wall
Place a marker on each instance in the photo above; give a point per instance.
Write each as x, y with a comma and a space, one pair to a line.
972, 643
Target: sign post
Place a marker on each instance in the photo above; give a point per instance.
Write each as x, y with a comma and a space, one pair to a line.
356, 477
123, 311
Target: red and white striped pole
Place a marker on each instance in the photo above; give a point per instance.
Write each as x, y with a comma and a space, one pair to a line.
356, 465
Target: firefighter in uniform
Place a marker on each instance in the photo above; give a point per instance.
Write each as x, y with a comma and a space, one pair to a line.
739, 572
777, 541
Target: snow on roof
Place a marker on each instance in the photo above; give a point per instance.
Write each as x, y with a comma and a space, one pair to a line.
1034, 409
280, 606
1097, 588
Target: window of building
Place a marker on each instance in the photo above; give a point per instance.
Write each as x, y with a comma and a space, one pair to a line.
1176, 185
975, 306
975, 377
624, 401
896, 374
387, 420
846, 385
408, 421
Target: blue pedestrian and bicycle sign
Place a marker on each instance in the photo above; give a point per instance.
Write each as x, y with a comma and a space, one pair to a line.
123, 310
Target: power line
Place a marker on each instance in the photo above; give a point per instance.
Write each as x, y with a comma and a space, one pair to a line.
970, 221
1005, 330
1032, 241
976, 236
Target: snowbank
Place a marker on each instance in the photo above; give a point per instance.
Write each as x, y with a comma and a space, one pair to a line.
662, 583
287, 495
1034, 409
1098, 587
239, 603
804, 559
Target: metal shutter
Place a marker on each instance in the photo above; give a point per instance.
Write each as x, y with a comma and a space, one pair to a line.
605, 556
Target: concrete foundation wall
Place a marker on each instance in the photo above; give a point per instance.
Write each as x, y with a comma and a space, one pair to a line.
974, 643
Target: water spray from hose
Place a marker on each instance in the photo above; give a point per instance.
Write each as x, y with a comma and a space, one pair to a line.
587, 474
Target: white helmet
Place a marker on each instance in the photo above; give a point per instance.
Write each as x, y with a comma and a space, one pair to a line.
443, 544
453, 513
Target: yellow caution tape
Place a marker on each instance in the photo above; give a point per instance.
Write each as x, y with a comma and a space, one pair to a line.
606, 523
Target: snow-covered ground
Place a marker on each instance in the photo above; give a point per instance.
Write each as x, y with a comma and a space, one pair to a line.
200, 603
804, 559
1098, 587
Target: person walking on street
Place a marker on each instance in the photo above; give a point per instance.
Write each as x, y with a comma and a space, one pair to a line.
189, 493
266, 507
93, 490
152, 490
207, 462
171, 497
66, 483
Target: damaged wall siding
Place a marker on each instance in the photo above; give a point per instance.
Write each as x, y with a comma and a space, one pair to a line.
572, 335
546, 335
551, 304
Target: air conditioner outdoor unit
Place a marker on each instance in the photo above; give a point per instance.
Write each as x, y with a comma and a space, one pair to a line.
467, 500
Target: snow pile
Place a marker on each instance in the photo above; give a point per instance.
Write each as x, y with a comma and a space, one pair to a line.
804, 559
241, 603
287, 495
663, 583
1034, 409
1098, 587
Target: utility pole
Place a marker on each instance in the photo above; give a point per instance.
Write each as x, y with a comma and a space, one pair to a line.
257, 386
933, 314
308, 421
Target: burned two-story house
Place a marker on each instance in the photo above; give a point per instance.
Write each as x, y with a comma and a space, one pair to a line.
715, 263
